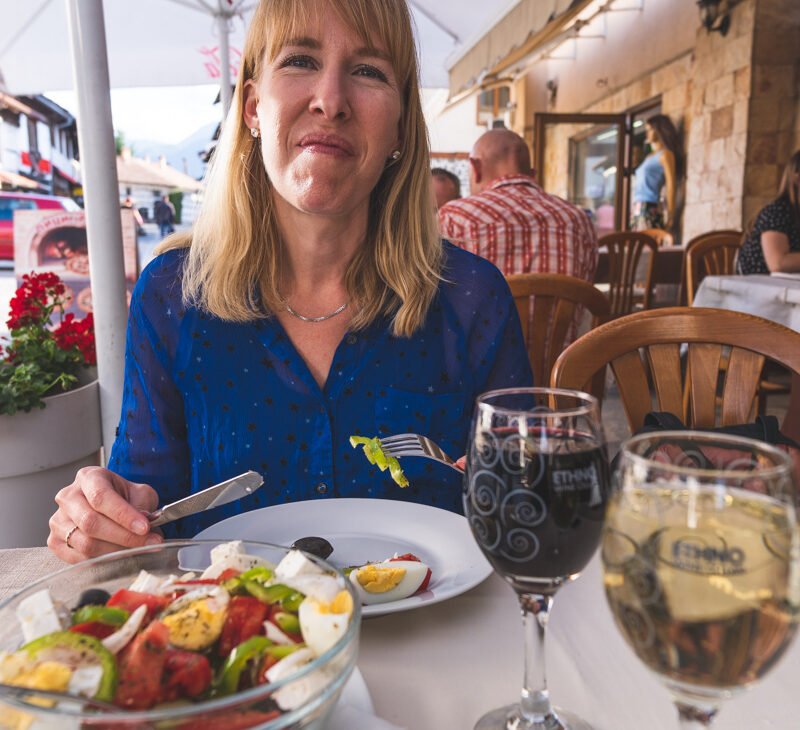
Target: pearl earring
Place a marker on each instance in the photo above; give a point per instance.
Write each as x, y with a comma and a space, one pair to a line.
395, 155
254, 132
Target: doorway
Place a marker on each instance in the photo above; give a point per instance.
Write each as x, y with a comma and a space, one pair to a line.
590, 159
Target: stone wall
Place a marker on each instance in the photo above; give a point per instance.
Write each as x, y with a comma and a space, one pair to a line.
717, 123
774, 115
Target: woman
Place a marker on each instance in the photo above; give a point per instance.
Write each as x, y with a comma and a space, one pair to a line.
773, 242
660, 169
313, 299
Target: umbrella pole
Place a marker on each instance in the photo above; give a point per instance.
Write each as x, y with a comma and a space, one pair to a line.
225, 63
101, 196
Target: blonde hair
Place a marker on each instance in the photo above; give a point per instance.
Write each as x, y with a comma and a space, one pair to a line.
233, 266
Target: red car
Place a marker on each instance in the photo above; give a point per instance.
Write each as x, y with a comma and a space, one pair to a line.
9, 202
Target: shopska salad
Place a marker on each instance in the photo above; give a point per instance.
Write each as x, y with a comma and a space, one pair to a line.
241, 623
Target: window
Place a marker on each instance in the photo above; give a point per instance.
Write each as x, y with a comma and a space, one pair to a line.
492, 104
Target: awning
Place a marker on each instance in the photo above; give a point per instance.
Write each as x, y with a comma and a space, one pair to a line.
529, 25
18, 181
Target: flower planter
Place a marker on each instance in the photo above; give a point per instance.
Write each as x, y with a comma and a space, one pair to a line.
40, 452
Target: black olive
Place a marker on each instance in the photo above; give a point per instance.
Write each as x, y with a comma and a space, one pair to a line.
93, 597
318, 546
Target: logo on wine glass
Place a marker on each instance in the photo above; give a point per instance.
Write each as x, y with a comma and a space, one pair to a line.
696, 555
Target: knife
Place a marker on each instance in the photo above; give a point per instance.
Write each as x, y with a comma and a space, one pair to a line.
219, 494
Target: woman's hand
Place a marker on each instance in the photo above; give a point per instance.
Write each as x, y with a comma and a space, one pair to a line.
101, 512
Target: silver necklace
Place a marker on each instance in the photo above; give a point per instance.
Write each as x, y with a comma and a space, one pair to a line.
291, 311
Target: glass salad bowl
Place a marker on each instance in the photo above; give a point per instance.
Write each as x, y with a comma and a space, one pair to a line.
312, 688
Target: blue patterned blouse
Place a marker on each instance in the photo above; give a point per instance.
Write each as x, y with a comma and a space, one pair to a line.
205, 400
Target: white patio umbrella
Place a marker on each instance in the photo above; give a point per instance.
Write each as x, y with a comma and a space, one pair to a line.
157, 43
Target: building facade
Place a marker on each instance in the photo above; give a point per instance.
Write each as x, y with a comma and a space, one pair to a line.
579, 79
38, 146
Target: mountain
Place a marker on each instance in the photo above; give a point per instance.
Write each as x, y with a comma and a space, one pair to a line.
183, 156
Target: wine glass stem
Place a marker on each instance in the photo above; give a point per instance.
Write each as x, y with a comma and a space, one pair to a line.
695, 718
535, 697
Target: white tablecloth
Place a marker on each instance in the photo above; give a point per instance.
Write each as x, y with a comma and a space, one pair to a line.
776, 298
441, 667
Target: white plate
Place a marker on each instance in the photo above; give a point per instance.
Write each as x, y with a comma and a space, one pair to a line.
371, 530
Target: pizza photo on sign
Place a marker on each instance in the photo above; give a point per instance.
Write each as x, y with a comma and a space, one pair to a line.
55, 240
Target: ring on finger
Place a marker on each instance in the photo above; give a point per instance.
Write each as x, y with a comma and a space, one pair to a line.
69, 535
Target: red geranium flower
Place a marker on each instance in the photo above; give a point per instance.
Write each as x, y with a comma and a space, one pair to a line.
42, 359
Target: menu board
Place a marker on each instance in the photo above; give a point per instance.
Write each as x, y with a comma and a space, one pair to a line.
55, 240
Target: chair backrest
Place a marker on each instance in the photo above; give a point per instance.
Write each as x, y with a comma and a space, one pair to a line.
645, 348
712, 253
548, 305
624, 251
662, 237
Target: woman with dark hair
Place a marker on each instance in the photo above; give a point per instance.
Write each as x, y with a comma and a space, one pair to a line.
773, 241
660, 169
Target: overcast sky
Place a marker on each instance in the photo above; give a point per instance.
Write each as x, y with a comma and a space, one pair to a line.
165, 114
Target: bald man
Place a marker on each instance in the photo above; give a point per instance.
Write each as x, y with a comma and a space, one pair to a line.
511, 221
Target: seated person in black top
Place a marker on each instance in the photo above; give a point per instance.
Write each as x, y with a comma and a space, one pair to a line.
773, 242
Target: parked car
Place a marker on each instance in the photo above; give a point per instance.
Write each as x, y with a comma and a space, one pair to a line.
9, 202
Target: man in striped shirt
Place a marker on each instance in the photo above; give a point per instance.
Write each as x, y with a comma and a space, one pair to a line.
511, 221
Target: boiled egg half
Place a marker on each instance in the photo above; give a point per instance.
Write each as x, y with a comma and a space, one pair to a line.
323, 623
392, 580
195, 620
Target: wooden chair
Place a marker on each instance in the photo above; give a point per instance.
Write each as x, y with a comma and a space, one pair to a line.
645, 348
624, 251
662, 237
712, 253
548, 305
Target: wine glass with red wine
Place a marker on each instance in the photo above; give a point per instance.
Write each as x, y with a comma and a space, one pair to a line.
535, 491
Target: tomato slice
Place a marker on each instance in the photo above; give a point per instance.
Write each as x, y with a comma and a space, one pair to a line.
405, 557
227, 574
94, 628
187, 674
131, 600
141, 666
245, 618
424, 585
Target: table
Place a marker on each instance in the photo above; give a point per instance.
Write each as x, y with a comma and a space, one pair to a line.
441, 667
776, 298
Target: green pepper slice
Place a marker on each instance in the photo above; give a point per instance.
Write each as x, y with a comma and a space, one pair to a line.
397, 473
292, 601
237, 660
104, 614
375, 455
259, 573
287, 622
77, 650
267, 594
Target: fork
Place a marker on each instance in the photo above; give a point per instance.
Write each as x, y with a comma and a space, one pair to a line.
412, 444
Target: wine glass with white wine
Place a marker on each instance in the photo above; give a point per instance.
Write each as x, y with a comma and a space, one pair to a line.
701, 563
